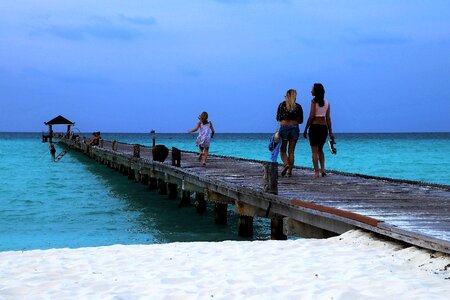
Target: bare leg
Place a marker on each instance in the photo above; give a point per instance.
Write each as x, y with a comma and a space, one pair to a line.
315, 160
205, 155
200, 153
283, 154
291, 150
322, 162
284, 157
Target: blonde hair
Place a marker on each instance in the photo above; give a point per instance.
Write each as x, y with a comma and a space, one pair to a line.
291, 94
203, 117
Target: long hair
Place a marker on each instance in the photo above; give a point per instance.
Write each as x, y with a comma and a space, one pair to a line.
319, 94
203, 117
290, 97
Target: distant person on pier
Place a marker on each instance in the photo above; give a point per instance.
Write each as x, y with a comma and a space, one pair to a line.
290, 115
52, 151
319, 124
204, 136
96, 139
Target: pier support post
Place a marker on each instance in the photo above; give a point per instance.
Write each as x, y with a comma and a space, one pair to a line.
220, 213
172, 191
176, 157
130, 173
200, 202
245, 226
152, 183
144, 179
137, 175
276, 229
185, 198
162, 187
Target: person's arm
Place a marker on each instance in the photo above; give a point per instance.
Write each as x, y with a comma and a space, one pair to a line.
278, 116
212, 129
195, 129
300, 114
330, 130
312, 113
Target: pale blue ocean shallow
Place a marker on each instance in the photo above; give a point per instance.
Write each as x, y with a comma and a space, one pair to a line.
77, 202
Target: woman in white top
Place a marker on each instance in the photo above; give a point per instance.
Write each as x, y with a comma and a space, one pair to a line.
319, 125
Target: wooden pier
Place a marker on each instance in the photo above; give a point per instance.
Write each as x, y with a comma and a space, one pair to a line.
412, 212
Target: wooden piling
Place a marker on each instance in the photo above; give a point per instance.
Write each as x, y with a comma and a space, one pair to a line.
185, 198
152, 183
144, 179
276, 229
200, 202
162, 187
220, 213
172, 191
245, 226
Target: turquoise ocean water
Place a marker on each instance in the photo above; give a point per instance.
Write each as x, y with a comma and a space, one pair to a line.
77, 202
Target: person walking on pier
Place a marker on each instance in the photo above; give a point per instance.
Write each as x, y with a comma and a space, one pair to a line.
319, 124
290, 115
204, 136
52, 151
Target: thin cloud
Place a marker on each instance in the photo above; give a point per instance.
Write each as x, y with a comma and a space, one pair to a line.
99, 28
251, 1
378, 39
146, 21
65, 77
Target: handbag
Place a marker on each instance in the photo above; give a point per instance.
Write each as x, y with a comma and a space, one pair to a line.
274, 140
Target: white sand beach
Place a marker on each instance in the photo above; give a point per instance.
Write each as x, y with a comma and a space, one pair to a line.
355, 265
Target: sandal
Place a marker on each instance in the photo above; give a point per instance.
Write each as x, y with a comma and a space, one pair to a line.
289, 173
316, 174
285, 169
324, 174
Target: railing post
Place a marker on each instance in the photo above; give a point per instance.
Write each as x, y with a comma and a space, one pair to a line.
176, 157
114, 145
271, 177
271, 186
136, 150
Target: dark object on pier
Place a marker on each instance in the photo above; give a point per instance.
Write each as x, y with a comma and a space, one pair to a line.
176, 157
160, 153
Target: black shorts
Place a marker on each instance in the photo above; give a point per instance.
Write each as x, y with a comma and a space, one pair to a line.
318, 135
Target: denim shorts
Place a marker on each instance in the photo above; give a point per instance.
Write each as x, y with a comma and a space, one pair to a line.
289, 132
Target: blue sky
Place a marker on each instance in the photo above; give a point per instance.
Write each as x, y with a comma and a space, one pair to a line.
133, 66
